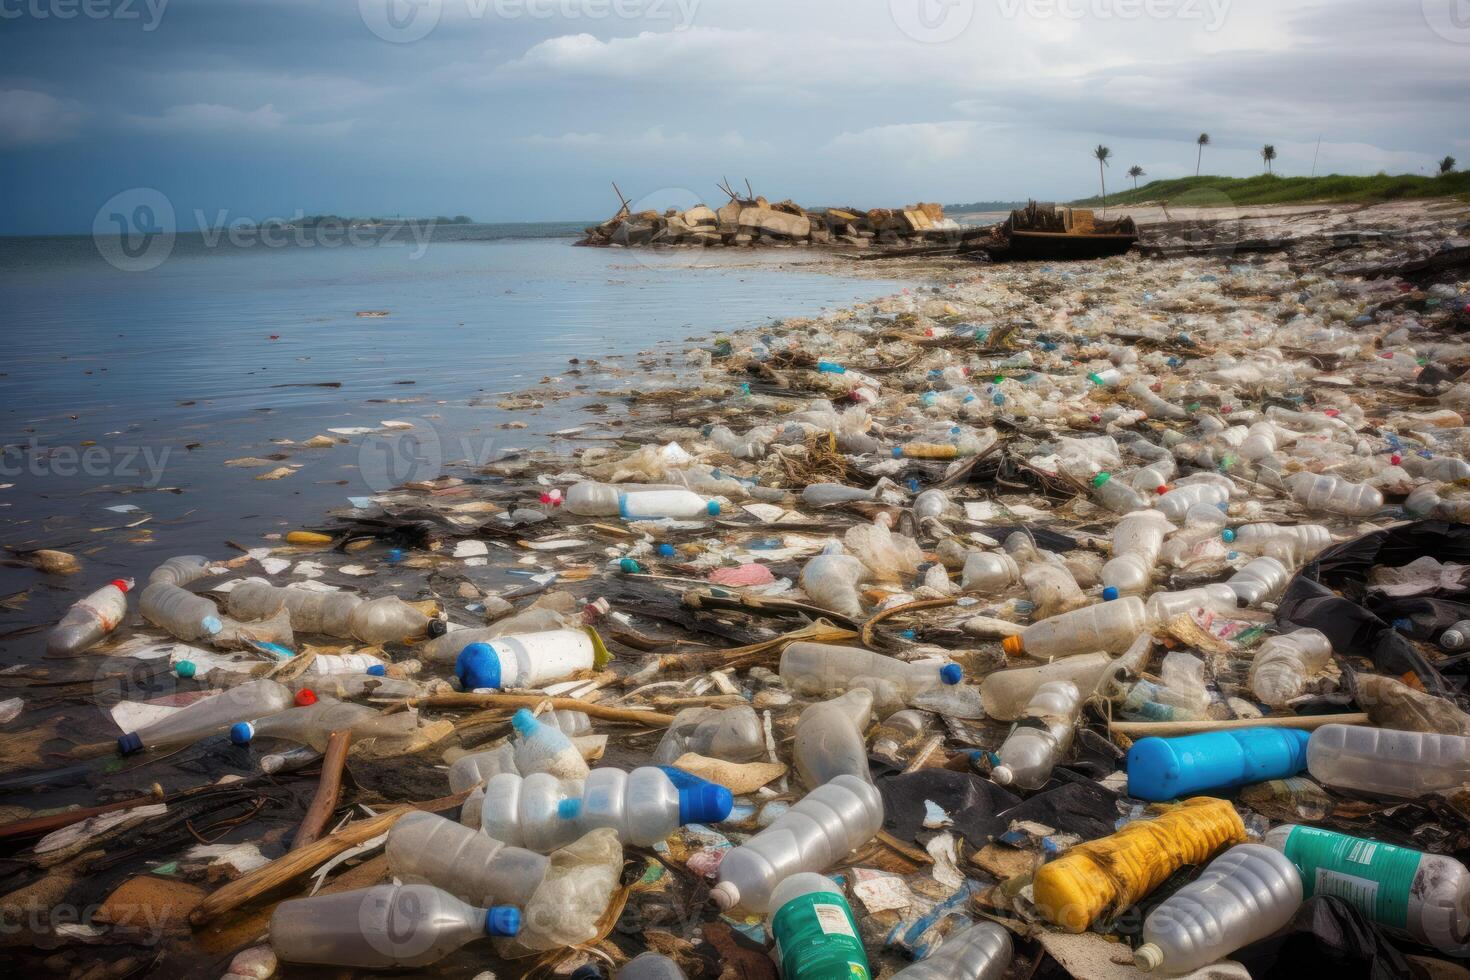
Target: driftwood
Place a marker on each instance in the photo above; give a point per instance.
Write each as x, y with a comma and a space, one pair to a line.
1139, 729
631, 716
38, 826
324, 803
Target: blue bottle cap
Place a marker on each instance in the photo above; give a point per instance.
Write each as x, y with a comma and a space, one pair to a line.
185, 669
666, 551
129, 743
395, 554
377, 670
700, 801
713, 507
951, 673
477, 666
898, 452
524, 722
569, 808
242, 732
913, 484
1227, 535
211, 625
502, 920
629, 565
1110, 593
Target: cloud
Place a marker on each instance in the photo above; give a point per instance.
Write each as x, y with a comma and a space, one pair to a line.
212, 118
29, 118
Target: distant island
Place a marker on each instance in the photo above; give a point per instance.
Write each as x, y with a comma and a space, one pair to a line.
340, 221
985, 206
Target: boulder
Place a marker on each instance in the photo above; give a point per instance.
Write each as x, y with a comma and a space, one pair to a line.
772, 222
700, 215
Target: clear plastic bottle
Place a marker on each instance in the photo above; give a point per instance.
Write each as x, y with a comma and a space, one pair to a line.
827, 494
831, 579
525, 660
1262, 579
542, 813
979, 951
180, 570
1116, 495
181, 613
1156, 407
732, 734
989, 572
1052, 587
932, 503
1423, 896
1386, 762
211, 716
1217, 597
313, 724
819, 669
831, 738
540, 747
1109, 626
343, 663
1243, 895
816, 934
383, 926
1040, 738
373, 621
651, 966
355, 687
1006, 693
1334, 495
1456, 637
1137, 540
1283, 665
1307, 540
1176, 503
1261, 441
817, 832
602, 500
89, 619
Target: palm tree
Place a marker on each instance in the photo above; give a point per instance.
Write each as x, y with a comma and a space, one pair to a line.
1446, 165
1135, 172
1102, 153
1268, 153
1203, 141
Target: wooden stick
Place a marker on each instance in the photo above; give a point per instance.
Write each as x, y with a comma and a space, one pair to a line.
648, 719
907, 607
1139, 729
324, 803
37, 826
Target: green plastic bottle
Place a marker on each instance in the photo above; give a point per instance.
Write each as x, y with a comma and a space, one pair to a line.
816, 934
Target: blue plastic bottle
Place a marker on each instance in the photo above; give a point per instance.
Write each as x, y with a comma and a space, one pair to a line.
1170, 768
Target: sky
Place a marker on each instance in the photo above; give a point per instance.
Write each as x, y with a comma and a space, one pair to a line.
527, 110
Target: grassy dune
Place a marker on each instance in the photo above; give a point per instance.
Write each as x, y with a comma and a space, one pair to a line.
1270, 189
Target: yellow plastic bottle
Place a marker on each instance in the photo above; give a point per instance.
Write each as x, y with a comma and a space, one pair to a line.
1112, 873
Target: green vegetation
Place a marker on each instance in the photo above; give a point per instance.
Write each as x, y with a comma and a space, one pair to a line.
1272, 189
983, 206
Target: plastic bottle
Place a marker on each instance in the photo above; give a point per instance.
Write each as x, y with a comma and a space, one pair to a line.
1283, 665
1165, 607
373, 621
932, 503
827, 494
732, 734
831, 579
1386, 762
540, 748
181, 613
815, 931
1137, 539
344, 663
979, 951
1334, 495
651, 966
542, 813
211, 716
353, 687
816, 833
180, 570
1261, 580
1111, 873
1455, 637
989, 572
602, 500
1040, 738
1177, 502
1006, 693
1116, 495
1423, 896
824, 669
1254, 539
1109, 626
1208, 762
313, 724
525, 660
1052, 587
830, 738
89, 619
383, 926
1244, 895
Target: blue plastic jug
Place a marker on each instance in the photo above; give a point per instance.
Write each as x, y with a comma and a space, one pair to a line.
1169, 768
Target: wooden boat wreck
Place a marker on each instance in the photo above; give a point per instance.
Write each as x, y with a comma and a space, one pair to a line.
1042, 232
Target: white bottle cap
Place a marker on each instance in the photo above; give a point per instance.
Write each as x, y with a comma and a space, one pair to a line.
1002, 775
725, 896
1148, 957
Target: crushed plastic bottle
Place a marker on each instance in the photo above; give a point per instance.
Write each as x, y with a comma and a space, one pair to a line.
815, 931
210, 716
1283, 665
831, 579
978, 951
525, 660
733, 734
1168, 768
1176, 503
1243, 895
602, 500
1137, 540
989, 572
830, 738
1261, 580
1303, 540
372, 621
1116, 495
543, 748
1109, 626
1040, 738
345, 663
542, 813
89, 619
1386, 762
383, 926
179, 612
816, 833
1006, 693
1334, 495
313, 724
1217, 597
821, 669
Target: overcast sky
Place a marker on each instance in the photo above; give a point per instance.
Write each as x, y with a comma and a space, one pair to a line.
522, 110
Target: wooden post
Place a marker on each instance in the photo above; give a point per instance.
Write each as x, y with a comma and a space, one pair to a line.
324, 803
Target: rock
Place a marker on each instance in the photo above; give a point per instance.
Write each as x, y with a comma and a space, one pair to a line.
728, 218
772, 222
700, 215
151, 904
633, 233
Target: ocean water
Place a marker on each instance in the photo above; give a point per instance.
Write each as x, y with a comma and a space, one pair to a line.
125, 393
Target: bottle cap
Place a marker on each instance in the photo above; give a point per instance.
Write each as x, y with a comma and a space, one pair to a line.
211, 625
242, 732
951, 674
629, 566
1101, 478
395, 554
377, 670
569, 808
1013, 645
898, 452
1110, 593
1002, 775
129, 743
438, 627
1227, 535
502, 920
477, 666
1161, 489
725, 896
185, 669
666, 551
700, 801
305, 698
121, 584
524, 722
1148, 957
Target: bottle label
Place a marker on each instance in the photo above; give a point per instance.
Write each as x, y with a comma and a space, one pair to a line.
817, 939
1374, 877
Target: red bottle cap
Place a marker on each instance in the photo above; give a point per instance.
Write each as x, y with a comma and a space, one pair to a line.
1395, 459
305, 698
1161, 489
121, 584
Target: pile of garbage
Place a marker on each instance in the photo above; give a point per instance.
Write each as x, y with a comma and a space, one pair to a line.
751, 220
1096, 620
